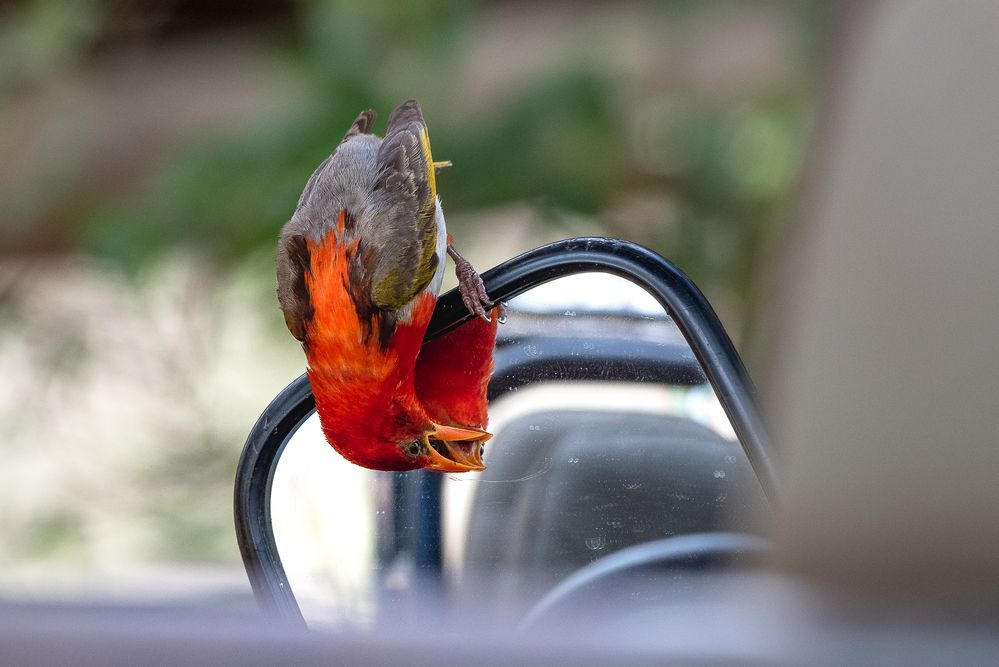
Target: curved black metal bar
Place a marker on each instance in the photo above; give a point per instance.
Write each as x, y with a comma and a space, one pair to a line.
674, 291
252, 502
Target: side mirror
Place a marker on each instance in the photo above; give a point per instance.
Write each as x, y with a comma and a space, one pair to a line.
701, 351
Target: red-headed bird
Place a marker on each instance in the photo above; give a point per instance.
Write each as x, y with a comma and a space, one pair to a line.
359, 267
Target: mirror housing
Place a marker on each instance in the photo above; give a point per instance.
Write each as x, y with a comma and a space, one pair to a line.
682, 300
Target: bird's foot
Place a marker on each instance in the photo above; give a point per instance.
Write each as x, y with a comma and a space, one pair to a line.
473, 292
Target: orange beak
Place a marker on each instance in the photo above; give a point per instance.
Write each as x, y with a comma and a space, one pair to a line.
455, 449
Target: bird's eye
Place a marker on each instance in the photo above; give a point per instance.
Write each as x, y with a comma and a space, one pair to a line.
414, 448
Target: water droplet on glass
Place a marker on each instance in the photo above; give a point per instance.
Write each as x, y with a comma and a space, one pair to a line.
573, 460
719, 474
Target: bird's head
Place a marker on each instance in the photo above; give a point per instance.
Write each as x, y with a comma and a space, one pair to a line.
394, 434
447, 449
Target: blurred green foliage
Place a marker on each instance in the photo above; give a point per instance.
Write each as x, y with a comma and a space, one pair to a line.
554, 143
40, 37
564, 142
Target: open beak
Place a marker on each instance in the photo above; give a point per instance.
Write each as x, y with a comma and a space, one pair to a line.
455, 449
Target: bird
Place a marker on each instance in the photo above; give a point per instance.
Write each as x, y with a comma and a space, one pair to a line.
359, 267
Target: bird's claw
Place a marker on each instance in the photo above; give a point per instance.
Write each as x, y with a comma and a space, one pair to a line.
473, 295
470, 286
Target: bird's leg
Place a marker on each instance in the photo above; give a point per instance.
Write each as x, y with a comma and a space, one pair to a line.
473, 292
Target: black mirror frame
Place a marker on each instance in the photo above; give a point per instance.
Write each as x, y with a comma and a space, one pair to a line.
682, 299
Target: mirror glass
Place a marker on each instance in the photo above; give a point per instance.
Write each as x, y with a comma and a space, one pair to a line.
606, 435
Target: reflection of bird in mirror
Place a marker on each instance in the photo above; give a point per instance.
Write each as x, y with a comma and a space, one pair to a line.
359, 268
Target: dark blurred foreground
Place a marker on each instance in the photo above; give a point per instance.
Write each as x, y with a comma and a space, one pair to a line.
764, 620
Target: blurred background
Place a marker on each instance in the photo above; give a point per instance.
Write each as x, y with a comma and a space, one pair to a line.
151, 150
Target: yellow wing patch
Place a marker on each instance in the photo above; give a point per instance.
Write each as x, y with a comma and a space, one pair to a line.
432, 166
425, 140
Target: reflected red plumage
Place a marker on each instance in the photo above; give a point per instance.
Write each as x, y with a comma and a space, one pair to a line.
453, 370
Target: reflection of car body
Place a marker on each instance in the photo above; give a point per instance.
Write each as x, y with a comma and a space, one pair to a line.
607, 436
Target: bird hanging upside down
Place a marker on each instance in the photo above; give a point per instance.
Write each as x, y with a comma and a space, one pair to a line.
359, 267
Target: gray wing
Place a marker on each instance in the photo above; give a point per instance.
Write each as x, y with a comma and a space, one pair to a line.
398, 251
